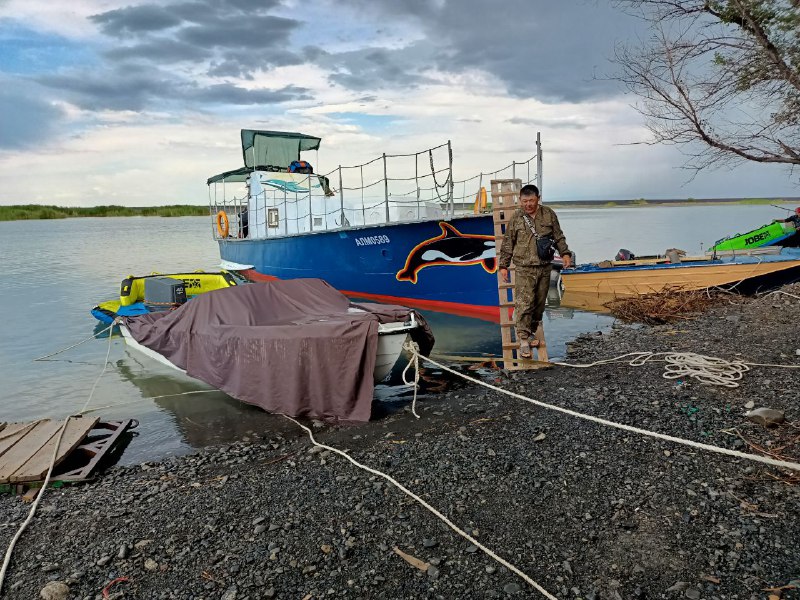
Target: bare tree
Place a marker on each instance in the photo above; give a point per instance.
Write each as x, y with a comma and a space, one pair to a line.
719, 78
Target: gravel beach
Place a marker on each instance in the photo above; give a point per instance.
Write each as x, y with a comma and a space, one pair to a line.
585, 510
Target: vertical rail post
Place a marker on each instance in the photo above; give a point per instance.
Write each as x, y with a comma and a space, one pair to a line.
416, 181
386, 187
341, 199
363, 209
310, 211
539, 161
450, 187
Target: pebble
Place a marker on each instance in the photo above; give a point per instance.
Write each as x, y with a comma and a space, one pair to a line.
433, 572
511, 588
678, 586
230, 593
150, 565
104, 560
471, 549
692, 594
767, 417
429, 543
55, 590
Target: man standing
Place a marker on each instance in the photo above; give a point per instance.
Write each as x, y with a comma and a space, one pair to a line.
531, 224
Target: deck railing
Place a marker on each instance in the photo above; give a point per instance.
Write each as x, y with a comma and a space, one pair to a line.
387, 189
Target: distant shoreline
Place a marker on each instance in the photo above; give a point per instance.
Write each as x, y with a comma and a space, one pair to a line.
23, 212
643, 202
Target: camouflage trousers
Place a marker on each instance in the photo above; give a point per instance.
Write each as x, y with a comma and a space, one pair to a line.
530, 295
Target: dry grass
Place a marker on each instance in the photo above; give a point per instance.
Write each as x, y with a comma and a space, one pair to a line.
666, 306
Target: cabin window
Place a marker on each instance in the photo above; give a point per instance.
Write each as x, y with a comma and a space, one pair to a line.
272, 218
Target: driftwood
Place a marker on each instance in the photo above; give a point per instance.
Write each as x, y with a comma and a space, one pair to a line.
667, 306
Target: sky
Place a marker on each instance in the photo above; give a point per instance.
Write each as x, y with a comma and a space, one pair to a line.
138, 102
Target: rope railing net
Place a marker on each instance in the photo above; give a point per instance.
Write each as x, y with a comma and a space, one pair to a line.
387, 189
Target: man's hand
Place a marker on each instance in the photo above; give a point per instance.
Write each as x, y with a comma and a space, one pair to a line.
567, 258
504, 274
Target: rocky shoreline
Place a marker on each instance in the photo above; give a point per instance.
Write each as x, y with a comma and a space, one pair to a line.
586, 511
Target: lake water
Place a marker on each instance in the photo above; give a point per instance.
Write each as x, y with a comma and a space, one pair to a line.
54, 272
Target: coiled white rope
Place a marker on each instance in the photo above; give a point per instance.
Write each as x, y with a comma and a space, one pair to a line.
705, 369
413, 348
442, 517
662, 436
13, 543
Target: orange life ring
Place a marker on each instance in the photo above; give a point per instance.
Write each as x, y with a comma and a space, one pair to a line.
223, 225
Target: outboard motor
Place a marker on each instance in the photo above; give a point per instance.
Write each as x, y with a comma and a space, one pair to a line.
624, 254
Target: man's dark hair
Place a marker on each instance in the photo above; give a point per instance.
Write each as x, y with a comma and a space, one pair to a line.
529, 190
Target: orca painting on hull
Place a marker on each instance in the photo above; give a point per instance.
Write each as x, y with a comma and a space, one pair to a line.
450, 248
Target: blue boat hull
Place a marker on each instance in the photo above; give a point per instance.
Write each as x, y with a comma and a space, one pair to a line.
444, 265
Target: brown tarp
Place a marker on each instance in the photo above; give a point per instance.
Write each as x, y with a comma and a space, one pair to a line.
288, 346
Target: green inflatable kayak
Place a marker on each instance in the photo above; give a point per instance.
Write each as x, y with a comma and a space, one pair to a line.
766, 235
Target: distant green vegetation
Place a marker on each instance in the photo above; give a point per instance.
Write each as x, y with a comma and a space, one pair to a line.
20, 212
755, 201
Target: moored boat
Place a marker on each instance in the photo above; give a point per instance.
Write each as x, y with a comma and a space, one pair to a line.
297, 347
618, 279
408, 235
776, 233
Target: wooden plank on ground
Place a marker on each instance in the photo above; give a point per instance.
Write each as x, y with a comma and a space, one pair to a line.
12, 434
30, 444
35, 468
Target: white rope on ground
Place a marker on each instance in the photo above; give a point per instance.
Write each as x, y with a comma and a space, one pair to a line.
413, 348
706, 369
411, 494
662, 436
781, 292
10, 550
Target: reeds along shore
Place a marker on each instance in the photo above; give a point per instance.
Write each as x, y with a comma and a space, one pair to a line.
21, 212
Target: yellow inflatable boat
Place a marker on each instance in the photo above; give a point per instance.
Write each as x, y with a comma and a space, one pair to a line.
132, 300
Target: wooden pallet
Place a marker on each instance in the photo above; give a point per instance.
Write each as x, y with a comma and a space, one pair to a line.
505, 200
26, 449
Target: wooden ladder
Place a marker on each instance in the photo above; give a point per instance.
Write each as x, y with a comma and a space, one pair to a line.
505, 200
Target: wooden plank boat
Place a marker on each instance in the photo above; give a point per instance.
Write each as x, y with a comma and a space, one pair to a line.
615, 279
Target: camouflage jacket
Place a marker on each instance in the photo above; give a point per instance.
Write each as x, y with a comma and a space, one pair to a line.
519, 244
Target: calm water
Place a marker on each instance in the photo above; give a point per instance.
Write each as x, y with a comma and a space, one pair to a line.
55, 271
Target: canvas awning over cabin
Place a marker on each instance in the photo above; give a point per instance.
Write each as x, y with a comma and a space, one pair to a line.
267, 150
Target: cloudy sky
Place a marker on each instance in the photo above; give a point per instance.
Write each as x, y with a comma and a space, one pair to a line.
138, 102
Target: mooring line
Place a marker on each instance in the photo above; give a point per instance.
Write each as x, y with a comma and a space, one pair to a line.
662, 436
411, 494
13, 543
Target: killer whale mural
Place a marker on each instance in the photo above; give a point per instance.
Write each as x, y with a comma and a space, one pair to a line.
453, 248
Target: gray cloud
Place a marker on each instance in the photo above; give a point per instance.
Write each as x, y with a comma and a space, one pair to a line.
234, 37
131, 88
376, 68
565, 123
26, 119
551, 50
155, 43
136, 20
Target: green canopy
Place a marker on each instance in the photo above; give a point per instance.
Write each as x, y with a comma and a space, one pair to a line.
274, 148
239, 175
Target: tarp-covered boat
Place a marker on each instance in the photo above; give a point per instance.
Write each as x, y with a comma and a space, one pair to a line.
297, 347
